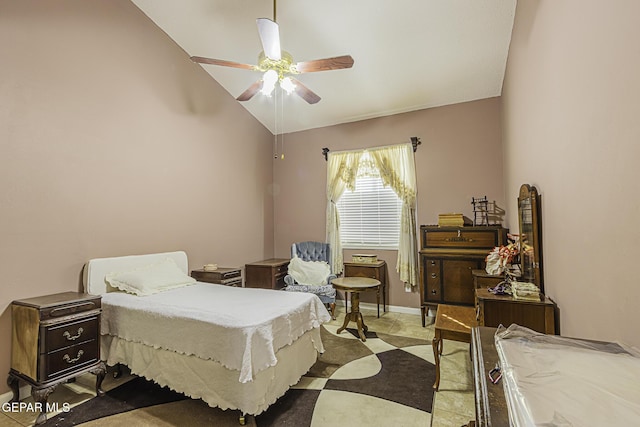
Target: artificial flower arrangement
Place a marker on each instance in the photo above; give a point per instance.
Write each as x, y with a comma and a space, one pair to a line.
500, 258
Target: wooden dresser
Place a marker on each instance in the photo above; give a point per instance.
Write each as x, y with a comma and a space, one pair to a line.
54, 338
268, 274
221, 276
448, 255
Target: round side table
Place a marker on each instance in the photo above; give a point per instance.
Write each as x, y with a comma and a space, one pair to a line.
355, 285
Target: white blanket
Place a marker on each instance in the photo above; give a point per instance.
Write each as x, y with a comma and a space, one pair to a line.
309, 272
238, 327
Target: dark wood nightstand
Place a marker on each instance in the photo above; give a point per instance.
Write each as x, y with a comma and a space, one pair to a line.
375, 270
267, 274
54, 338
221, 276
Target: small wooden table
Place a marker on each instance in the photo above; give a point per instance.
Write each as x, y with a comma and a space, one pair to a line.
375, 270
453, 322
355, 285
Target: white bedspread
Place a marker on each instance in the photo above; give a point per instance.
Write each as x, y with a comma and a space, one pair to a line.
238, 327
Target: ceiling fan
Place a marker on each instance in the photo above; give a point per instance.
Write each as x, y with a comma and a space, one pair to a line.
278, 66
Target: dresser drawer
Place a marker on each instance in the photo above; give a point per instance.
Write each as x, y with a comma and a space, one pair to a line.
65, 334
372, 272
282, 270
462, 237
432, 280
70, 359
69, 309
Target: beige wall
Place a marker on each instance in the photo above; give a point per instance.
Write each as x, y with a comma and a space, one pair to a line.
113, 142
460, 157
571, 102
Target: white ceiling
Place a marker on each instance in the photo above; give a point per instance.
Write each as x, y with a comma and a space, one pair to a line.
409, 54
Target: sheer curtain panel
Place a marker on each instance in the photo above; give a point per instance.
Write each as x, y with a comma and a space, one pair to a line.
342, 169
398, 170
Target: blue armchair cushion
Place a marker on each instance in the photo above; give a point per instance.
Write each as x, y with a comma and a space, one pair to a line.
312, 251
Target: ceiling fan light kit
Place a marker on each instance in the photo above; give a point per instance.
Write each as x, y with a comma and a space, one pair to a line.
277, 65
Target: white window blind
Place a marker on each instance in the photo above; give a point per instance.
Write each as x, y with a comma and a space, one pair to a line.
370, 215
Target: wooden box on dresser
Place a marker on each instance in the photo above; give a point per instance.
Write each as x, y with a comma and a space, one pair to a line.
268, 273
54, 339
448, 255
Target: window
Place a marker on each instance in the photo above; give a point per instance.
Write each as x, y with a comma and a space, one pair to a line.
370, 215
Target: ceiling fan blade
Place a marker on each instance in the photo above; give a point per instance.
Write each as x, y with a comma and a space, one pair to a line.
252, 90
304, 92
270, 38
222, 62
335, 63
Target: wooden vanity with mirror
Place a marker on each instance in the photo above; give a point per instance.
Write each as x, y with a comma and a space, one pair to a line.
493, 310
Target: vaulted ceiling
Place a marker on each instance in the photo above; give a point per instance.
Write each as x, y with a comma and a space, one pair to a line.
409, 54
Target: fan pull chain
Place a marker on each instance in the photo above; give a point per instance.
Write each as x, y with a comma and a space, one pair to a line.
282, 127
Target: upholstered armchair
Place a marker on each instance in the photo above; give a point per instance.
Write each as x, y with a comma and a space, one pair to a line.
313, 251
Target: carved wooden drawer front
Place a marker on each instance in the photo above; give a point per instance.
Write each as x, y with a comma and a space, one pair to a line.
462, 237
69, 359
66, 334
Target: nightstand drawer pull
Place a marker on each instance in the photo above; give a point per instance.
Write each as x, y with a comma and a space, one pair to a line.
433, 275
68, 336
69, 360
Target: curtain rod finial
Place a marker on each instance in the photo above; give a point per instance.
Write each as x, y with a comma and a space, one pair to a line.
415, 141
325, 153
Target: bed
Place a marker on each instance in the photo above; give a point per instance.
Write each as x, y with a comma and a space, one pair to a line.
553, 380
234, 348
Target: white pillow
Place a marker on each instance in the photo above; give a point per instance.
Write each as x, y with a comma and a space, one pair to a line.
150, 279
314, 273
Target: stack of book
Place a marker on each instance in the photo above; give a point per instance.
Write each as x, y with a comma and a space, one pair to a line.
453, 220
525, 291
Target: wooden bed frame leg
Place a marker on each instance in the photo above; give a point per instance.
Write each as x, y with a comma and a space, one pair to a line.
117, 372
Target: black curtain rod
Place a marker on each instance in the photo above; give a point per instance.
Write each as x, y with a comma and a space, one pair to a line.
415, 141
